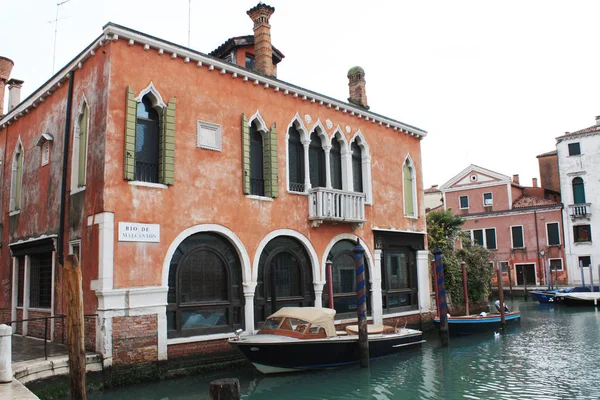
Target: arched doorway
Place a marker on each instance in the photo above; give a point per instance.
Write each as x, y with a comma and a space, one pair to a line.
284, 277
205, 287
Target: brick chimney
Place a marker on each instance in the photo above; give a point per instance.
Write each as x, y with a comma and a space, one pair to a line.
263, 49
6, 66
14, 93
516, 179
534, 182
357, 86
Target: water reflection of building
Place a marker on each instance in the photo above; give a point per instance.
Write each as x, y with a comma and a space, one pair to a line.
201, 195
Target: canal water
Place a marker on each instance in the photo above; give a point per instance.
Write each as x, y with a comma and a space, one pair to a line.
554, 354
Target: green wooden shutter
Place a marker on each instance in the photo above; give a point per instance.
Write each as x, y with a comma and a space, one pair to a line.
245, 155
130, 122
273, 176
166, 156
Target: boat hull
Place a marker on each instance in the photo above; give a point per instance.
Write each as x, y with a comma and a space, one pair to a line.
300, 355
545, 296
474, 324
580, 299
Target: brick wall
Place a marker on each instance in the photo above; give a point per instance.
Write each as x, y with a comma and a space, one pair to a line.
548, 166
195, 349
36, 328
5, 316
19, 330
60, 335
135, 339
90, 333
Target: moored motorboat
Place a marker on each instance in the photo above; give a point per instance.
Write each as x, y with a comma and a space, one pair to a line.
479, 323
546, 296
586, 299
304, 338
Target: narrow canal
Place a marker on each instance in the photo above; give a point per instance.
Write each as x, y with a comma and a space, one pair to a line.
554, 354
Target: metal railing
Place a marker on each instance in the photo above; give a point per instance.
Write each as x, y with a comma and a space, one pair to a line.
336, 205
62, 316
296, 187
146, 172
257, 187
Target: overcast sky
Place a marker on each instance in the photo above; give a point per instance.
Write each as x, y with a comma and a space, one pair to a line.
493, 83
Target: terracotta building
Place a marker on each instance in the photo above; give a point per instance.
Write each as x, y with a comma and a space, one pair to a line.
201, 193
521, 226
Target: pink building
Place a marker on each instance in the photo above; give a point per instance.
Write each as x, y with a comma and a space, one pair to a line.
521, 226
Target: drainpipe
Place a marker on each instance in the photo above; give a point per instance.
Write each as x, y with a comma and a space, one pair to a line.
63, 189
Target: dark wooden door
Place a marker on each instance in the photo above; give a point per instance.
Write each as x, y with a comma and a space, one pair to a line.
525, 273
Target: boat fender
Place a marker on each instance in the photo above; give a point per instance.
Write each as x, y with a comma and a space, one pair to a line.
497, 304
483, 314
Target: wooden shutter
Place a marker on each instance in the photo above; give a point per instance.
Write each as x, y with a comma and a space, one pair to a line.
130, 122
245, 155
271, 167
166, 159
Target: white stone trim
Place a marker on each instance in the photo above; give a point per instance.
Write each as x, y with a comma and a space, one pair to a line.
398, 231
304, 136
365, 154
149, 184
376, 297
13, 178
260, 198
413, 179
535, 264
78, 190
26, 292
200, 338
15, 292
106, 249
157, 100
345, 157
423, 283
260, 122
76, 142
501, 179
514, 211
132, 298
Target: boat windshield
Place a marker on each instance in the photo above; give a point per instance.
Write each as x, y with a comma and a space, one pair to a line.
290, 324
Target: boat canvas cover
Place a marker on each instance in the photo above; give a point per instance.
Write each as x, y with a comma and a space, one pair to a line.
316, 316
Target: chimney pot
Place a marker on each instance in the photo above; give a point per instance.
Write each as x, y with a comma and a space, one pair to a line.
534, 182
6, 66
263, 49
14, 93
516, 179
357, 86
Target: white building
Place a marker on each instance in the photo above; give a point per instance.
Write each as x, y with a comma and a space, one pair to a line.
579, 170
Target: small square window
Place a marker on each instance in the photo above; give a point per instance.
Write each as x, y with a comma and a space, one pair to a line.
585, 261
487, 199
209, 136
582, 233
556, 264
250, 61
464, 201
574, 149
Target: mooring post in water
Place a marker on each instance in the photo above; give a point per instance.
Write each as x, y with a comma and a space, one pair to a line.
501, 298
361, 301
436, 289
439, 268
225, 389
510, 280
329, 266
582, 275
463, 266
524, 283
592, 277
72, 279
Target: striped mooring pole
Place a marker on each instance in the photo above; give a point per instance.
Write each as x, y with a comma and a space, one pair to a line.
361, 301
439, 269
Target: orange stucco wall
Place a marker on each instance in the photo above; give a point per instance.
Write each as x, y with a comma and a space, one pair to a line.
499, 197
208, 184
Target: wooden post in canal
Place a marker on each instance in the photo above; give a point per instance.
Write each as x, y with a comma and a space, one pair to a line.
463, 266
329, 267
361, 302
74, 322
510, 281
501, 298
225, 389
439, 269
436, 290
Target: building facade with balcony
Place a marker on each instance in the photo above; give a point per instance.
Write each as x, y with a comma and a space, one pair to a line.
579, 171
201, 193
521, 226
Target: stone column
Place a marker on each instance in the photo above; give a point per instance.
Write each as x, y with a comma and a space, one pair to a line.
347, 182
5, 354
423, 281
327, 150
376, 301
306, 144
318, 287
249, 289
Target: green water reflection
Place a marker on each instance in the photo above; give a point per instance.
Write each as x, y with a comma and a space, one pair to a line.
554, 354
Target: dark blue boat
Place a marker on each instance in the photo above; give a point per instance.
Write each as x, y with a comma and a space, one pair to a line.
551, 296
473, 324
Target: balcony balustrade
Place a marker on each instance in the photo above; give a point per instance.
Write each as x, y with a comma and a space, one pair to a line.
335, 206
580, 211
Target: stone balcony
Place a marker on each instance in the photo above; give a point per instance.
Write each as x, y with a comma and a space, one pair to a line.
335, 205
577, 211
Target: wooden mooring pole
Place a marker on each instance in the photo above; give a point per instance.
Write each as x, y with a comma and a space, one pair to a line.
225, 389
501, 298
361, 301
439, 268
463, 266
329, 268
74, 322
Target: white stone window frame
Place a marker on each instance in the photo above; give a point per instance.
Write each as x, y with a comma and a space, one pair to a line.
346, 154
305, 140
214, 128
491, 199
75, 188
263, 130
365, 155
512, 243
13, 180
72, 245
460, 207
484, 244
548, 236
562, 264
413, 178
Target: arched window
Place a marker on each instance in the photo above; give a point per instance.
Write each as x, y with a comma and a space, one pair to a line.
80, 140
16, 179
344, 280
295, 160
257, 180
316, 159
335, 161
284, 277
356, 167
578, 191
205, 287
147, 142
410, 206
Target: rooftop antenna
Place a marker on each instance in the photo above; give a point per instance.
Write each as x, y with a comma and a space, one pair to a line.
56, 19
